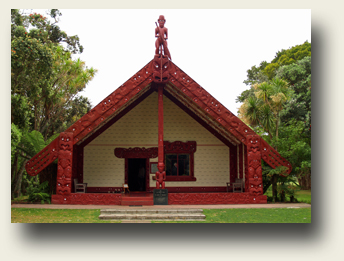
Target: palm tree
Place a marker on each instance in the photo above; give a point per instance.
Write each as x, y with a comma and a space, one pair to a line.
264, 110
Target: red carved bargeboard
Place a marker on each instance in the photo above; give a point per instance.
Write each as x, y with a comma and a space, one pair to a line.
215, 198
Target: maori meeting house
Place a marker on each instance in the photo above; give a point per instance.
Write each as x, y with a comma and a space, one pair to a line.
159, 131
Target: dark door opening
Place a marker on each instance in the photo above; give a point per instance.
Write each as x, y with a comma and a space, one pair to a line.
137, 174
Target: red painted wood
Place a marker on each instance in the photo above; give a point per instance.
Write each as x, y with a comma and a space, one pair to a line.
104, 189
65, 163
273, 158
241, 162
160, 174
87, 199
173, 199
255, 178
137, 199
178, 178
160, 68
194, 189
215, 198
246, 170
42, 159
233, 163
136, 152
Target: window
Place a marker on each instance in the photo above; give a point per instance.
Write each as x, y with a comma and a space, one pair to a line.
179, 160
177, 164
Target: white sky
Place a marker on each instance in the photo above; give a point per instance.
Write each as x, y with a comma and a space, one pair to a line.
215, 47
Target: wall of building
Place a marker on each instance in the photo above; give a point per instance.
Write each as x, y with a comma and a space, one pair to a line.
139, 128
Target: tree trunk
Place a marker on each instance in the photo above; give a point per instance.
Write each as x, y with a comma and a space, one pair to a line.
18, 180
14, 168
274, 187
305, 181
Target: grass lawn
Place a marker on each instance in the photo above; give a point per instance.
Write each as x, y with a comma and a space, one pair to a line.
37, 215
249, 215
274, 215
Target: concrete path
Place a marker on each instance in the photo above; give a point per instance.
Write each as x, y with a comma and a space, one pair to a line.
56, 206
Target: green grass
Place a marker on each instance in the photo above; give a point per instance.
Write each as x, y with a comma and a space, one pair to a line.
37, 215
274, 215
247, 215
304, 196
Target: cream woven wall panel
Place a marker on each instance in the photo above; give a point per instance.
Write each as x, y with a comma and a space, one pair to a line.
178, 125
139, 128
102, 168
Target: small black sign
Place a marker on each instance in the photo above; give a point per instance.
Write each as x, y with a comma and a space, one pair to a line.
160, 196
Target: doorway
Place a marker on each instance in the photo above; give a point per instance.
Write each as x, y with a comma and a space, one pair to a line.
137, 174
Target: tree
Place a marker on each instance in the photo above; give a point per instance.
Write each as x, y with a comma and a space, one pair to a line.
45, 82
264, 110
282, 117
267, 71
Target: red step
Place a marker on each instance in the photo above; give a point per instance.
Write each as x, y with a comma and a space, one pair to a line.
137, 200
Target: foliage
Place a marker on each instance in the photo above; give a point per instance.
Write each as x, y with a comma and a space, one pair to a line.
38, 192
264, 108
45, 84
282, 116
16, 135
267, 71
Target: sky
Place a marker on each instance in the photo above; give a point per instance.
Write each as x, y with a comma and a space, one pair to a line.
215, 47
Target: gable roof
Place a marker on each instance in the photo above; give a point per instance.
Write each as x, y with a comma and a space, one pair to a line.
181, 89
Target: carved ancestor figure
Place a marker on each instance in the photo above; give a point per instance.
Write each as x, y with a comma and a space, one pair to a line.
160, 176
161, 33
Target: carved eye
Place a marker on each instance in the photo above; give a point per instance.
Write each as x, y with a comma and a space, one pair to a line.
165, 66
156, 66
62, 138
67, 139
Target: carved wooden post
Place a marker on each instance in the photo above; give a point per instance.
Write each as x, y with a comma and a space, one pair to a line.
160, 174
65, 163
254, 156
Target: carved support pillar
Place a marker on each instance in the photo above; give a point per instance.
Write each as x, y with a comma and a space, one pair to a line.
160, 174
233, 163
254, 156
65, 164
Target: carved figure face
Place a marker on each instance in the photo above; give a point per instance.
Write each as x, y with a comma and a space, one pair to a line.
161, 74
66, 141
161, 21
